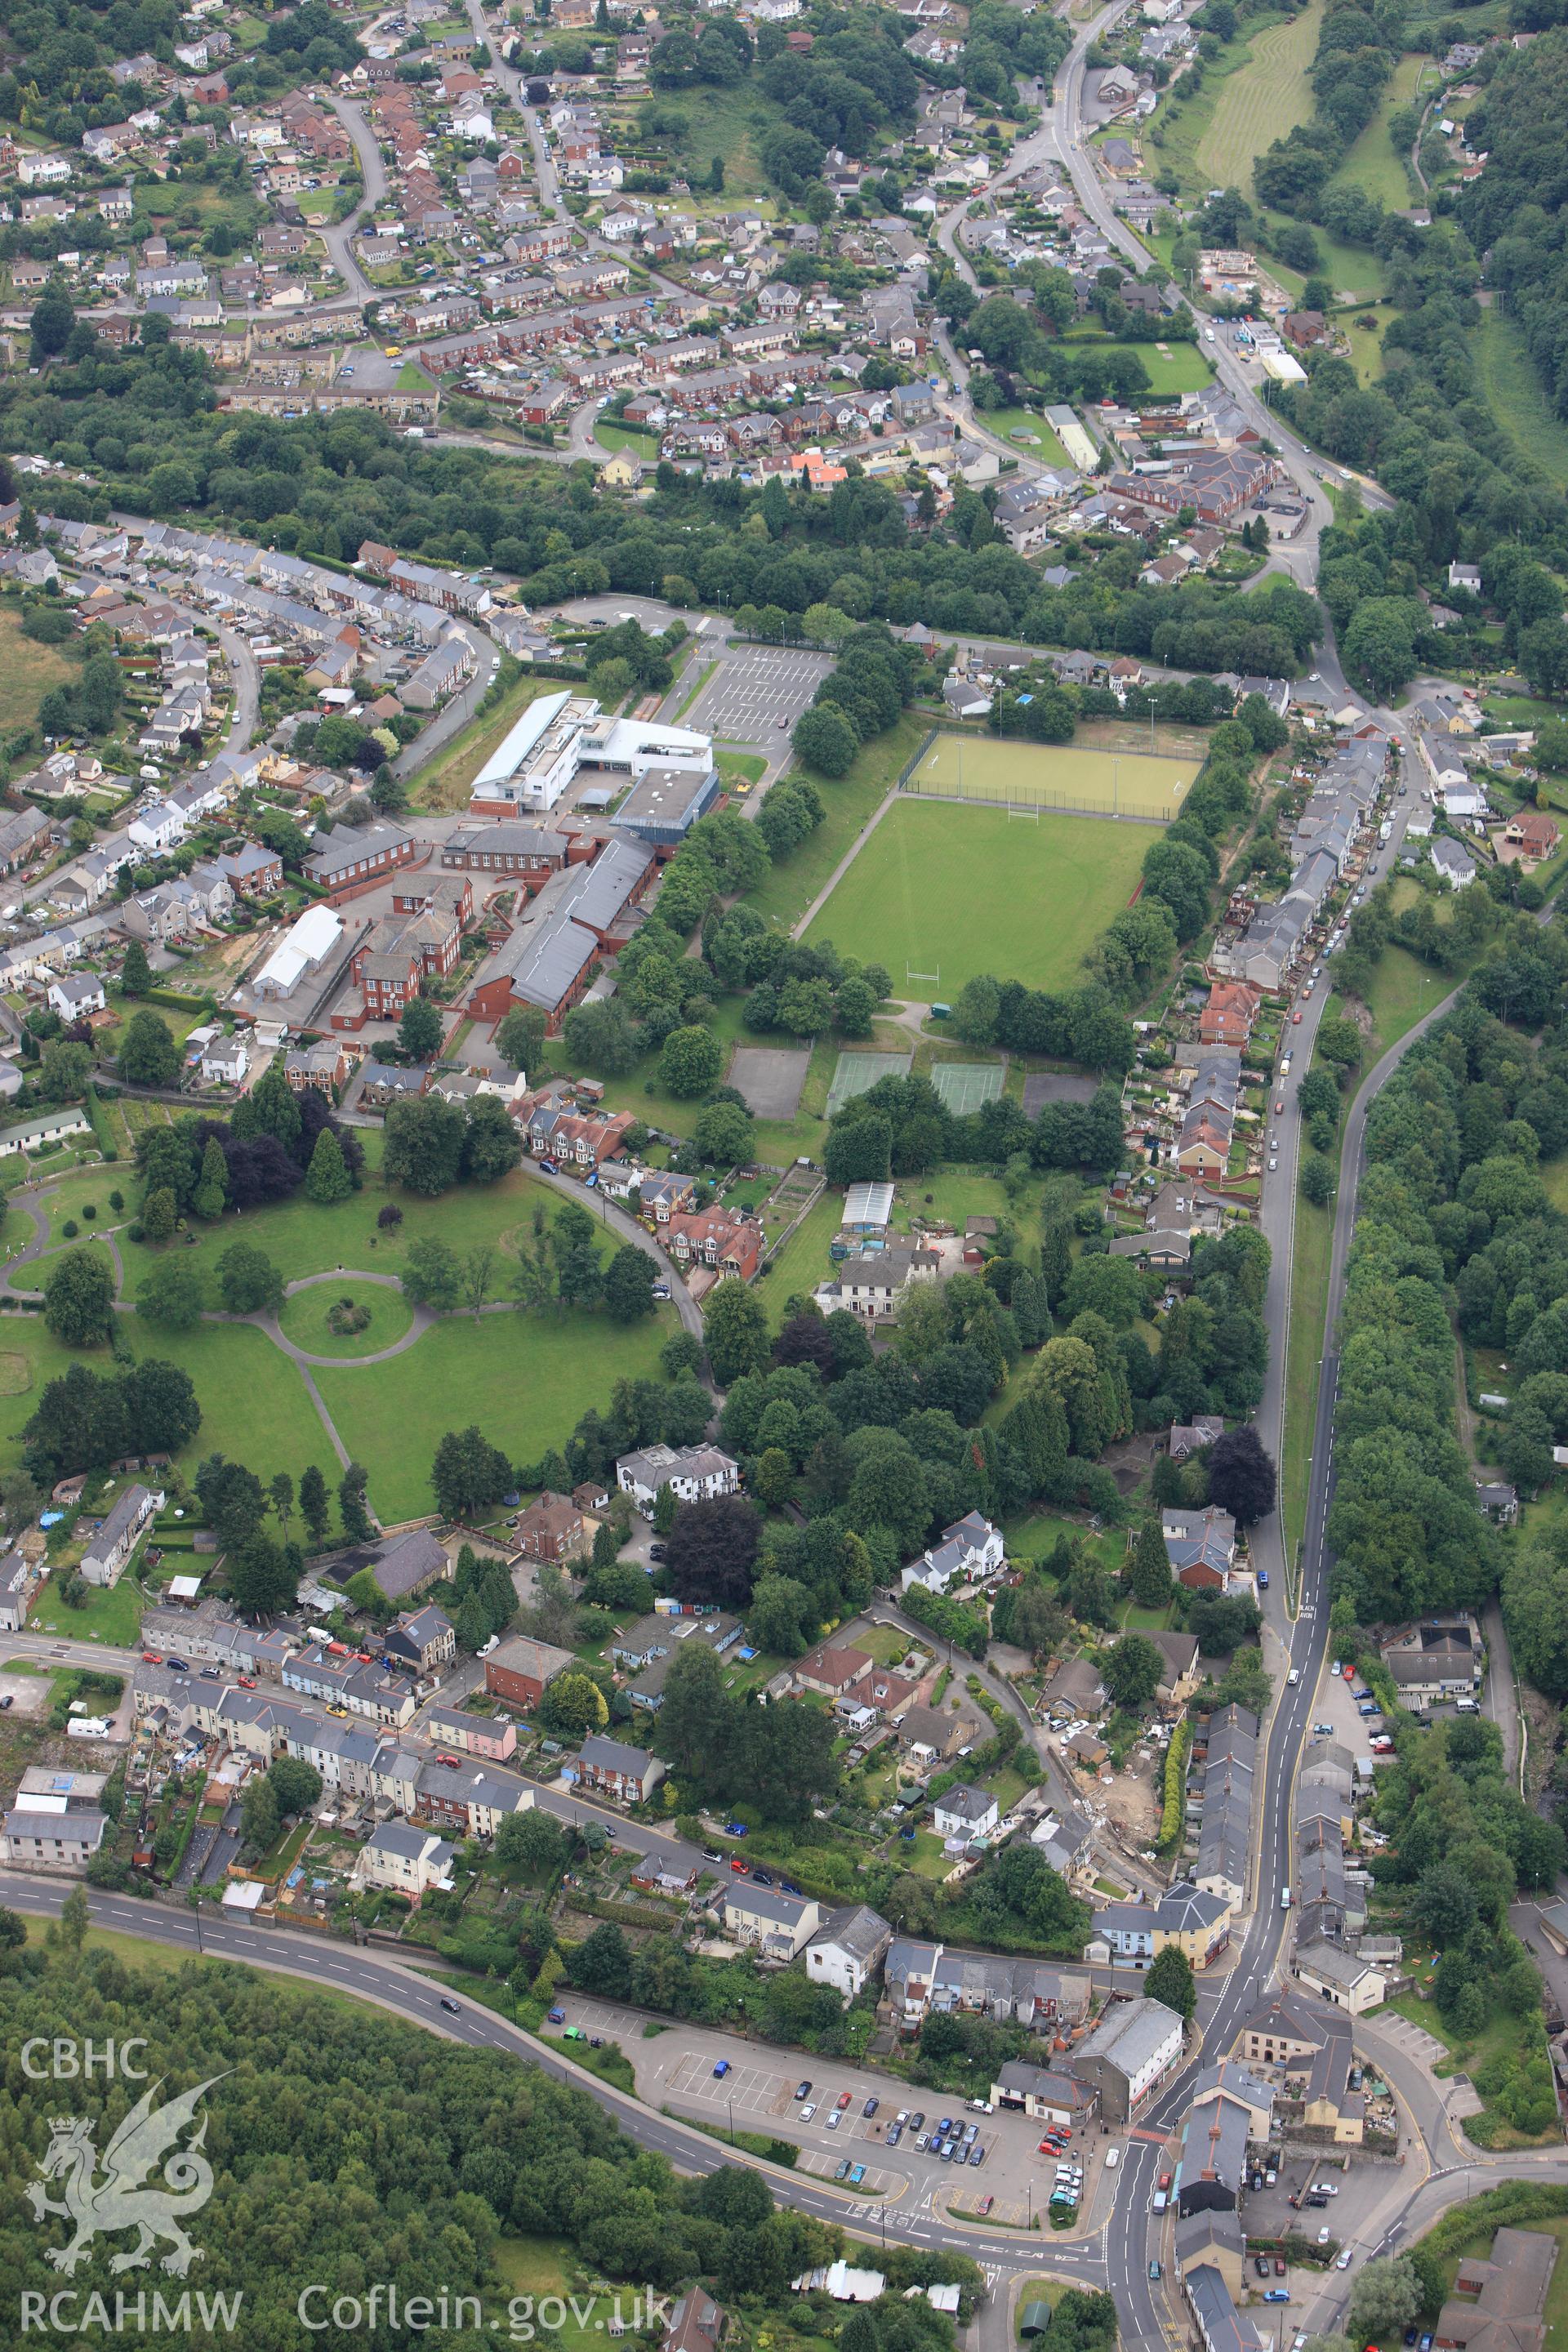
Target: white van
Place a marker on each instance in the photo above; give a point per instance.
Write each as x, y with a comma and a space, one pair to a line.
1112, 2158
1285, 1897
1466, 1706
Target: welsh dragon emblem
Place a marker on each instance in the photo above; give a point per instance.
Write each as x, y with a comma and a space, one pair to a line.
145, 2140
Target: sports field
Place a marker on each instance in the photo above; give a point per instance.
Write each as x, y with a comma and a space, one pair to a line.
964, 1086
952, 891
857, 1073
1071, 778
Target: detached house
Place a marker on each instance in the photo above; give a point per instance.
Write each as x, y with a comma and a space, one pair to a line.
1201, 1547
969, 1549
695, 1473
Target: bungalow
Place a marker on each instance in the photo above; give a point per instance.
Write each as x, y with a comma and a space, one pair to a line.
829, 1671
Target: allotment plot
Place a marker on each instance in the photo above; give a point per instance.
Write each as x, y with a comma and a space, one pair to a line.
1069, 778
941, 891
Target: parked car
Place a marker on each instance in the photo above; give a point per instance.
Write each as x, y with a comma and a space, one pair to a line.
870, 2107
1279, 2265
835, 2119
1260, 2264
802, 2091
1154, 2270
720, 2070
762, 1877
916, 2121
1276, 2295
1342, 2261
732, 1829
895, 2134
857, 2174
807, 2112
841, 2169
842, 2101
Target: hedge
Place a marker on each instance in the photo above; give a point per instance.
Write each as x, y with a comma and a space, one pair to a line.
1173, 1808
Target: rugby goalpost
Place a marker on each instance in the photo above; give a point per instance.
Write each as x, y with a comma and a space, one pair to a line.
932, 979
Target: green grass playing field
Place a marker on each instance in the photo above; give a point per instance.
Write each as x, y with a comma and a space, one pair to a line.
961, 890
1072, 778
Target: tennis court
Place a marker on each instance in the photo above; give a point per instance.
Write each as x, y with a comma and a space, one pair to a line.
964, 1086
857, 1073
1073, 779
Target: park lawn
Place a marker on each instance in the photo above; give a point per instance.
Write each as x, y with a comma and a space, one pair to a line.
787, 890
73, 1193
304, 1318
955, 1193
1372, 165
446, 783
256, 1408
525, 1378
640, 1089
1027, 431
1034, 1536
1180, 367
1309, 1314
741, 767
30, 1357
952, 891
112, 1616
1514, 394
411, 377
28, 670
803, 1260
301, 1238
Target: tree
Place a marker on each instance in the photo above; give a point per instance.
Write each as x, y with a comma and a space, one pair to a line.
520, 1040
281, 1495
1241, 1475
424, 1147
249, 1282
148, 1054
258, 1813
212, 1188
628, 1284
1152, 1582
1385, 2300
1169, 1978
1318, 1178
712, 1550
1338, 1040
421, 1029
469, 1473
432, 1273
474, 1274
159, 1215
722, 1135
690, 1062
602, 1038
358, 1525
327, 1180
295, 1783
492, 1144
825, 740
530, 1845
79, 1297
573, 1704
66, 1070
736, 1327
314, 1506
602, 1964
173, 1293
1131, 1671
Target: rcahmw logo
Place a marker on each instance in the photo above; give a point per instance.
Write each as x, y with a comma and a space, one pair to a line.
104, 2197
